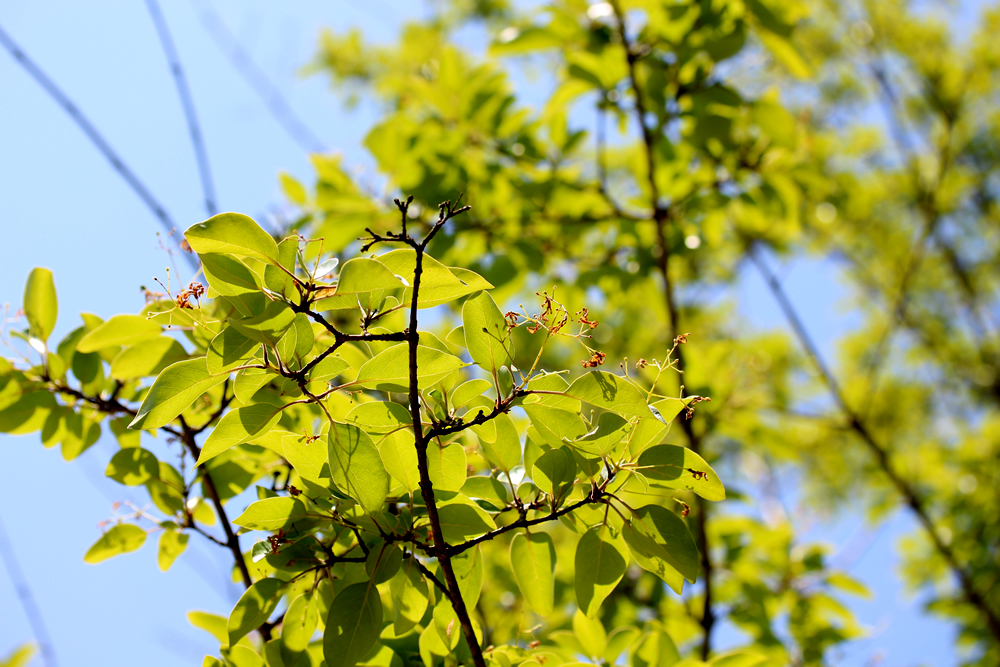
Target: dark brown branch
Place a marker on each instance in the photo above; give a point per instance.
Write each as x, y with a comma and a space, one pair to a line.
232, 539
440, 548
596, 496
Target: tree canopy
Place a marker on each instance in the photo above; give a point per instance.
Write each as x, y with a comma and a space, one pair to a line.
488, 429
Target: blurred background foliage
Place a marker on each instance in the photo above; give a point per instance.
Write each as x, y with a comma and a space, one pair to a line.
643, 153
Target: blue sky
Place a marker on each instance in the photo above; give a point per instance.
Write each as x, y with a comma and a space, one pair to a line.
64, 207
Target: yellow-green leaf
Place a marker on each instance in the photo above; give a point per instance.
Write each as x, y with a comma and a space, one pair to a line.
533, 562
121, 539
40, 304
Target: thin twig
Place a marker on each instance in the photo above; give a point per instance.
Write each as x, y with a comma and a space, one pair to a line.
95, 137
261, 85
27, 599
187, 102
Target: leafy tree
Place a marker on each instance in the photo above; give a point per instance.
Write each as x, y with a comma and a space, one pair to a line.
741, 132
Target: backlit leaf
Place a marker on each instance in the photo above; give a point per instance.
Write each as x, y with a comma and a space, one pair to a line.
254, 607
601, 561
486, 334
40, 304
390, 370
121, 539
133, 466
234, 234
356, 467
533, 562
120, 330
272, 514
174, 390
353, 626
237, 427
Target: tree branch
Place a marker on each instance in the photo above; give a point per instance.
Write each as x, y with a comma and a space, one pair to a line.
909, 493
95, 137
440, 548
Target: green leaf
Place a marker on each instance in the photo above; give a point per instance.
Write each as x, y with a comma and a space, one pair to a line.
554, 424
590, 633
674, 467
121, 539
611, 392
533, 562
379, 417
390, 370
330, 367
353, 626
228, 350
460, 521
133, 466
438, 283
399, 457
249, 381
177, 387
486, 488
467, 391
383, 563
446, 466
213, 624
297, 342
486, 334
553, 469
601, 560
668, 539
655, 649
232, 234
172, 544
299, 623
408, 590
40, 304
310, 459
120, 330
609, 436
505, 450
272, 514
254, 607
619, 641
356, 467
741, 659
147, 358
242, 656
28, 413
269, 325
650, 557
362, 275
233, 280
844, 582
237, 427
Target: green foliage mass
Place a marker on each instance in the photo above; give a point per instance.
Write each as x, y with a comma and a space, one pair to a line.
433, 486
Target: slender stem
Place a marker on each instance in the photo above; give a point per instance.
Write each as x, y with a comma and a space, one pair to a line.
92, 133
232, 539
909, 493
187, 103
27, 598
